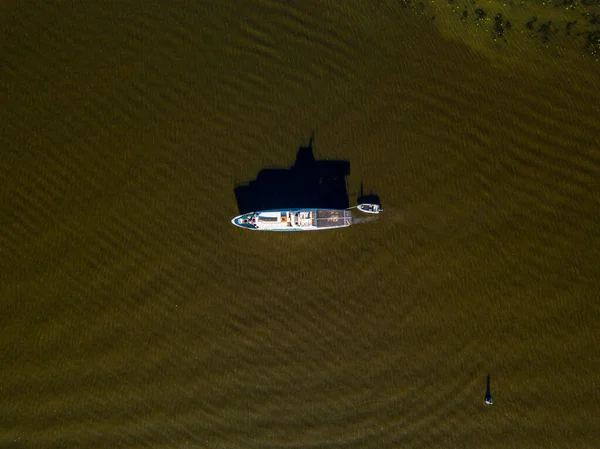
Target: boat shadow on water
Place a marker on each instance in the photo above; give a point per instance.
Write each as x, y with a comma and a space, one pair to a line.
308, 183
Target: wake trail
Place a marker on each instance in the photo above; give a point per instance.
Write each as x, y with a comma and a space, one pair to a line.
361, 220
387, 215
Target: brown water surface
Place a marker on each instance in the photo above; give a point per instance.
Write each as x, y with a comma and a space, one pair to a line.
133, 314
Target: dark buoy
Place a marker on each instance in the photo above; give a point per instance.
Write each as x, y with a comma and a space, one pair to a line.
488, 393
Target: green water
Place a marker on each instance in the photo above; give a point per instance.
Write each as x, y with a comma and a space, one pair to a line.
133, 314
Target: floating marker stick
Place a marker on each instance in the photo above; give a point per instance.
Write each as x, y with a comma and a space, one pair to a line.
488, 393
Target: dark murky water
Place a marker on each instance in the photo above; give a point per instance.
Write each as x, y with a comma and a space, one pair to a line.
133, 314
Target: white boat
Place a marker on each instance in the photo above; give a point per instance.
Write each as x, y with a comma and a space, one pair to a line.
294, 220
370, 208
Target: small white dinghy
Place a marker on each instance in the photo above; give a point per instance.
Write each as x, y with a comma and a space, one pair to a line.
369, 208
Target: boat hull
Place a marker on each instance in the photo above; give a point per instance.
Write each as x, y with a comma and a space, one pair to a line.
294, 220
369, 208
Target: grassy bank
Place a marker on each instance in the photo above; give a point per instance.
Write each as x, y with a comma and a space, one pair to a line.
494, 24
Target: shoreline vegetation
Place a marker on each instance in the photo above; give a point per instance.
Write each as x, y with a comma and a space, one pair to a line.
556, 23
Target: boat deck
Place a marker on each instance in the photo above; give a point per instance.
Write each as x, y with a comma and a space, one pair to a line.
333, 218
294, 219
